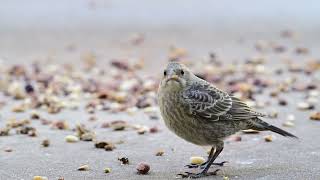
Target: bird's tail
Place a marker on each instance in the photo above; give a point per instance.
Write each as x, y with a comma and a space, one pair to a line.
261, 125
280, 131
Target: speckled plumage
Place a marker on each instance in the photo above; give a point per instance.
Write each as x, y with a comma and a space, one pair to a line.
202, 114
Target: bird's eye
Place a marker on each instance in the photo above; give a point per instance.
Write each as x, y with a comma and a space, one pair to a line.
165, 73
182, 72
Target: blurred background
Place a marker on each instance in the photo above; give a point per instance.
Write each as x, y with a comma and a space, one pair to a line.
63, 31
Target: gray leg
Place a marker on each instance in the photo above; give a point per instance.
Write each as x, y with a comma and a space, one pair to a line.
219, 148
203, 165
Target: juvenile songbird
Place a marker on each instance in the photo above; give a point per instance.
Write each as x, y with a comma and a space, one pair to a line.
202, 114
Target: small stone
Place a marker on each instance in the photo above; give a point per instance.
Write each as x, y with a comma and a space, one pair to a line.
225, 178
105, 125
118, 125
35, 115
142, 130
291, 117
83, 168
197, 160
143, 168
305, 106
39, 178
88, 136
283, 102
107, 170
302, 50
71, 138
288, 124
154, 129
109, 147
268, 138
19, 108
237, 138
250, 131
8, 149
160, 152
62, 125
4, 132
101, 144
315, 116
124, 160
45, 143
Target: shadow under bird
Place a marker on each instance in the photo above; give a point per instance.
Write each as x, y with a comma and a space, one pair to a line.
204, 115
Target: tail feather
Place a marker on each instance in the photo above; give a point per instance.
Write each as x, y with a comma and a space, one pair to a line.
263, 126
280, 131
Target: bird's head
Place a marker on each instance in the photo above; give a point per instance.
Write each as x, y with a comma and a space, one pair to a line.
175, 76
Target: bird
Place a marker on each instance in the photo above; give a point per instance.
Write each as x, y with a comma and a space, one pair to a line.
204, 115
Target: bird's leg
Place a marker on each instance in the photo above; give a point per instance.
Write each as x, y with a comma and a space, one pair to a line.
203, 165
204, 172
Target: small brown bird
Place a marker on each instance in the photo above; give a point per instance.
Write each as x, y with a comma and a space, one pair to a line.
202, 114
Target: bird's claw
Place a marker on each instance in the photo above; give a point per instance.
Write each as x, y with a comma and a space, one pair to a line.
197, 175
221, 163
203, 165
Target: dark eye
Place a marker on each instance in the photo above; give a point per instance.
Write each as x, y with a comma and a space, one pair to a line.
182, 72
165, 73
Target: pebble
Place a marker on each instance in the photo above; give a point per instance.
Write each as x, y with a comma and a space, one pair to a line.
143, 168
288, 124
160, 152
83, 168
305, 106
268, 138
39, 178
109, 147
71, 138
197, 160
123, 160
250, 131
291, 117
107, 170
315, 116
45, 143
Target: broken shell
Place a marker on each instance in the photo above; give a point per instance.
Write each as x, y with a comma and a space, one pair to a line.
268, 138
143, 168
107, 170
71, 138
197, 160
83, 168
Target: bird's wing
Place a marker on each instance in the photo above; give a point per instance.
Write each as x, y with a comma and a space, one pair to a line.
205, 101
241, 111
208, 102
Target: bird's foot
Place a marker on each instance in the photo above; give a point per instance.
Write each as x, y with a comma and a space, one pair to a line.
197, 175
203, 165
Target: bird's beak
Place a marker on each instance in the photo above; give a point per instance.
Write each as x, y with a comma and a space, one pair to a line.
173, 77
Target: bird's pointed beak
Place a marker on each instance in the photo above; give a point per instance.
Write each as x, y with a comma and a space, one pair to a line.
173, 77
